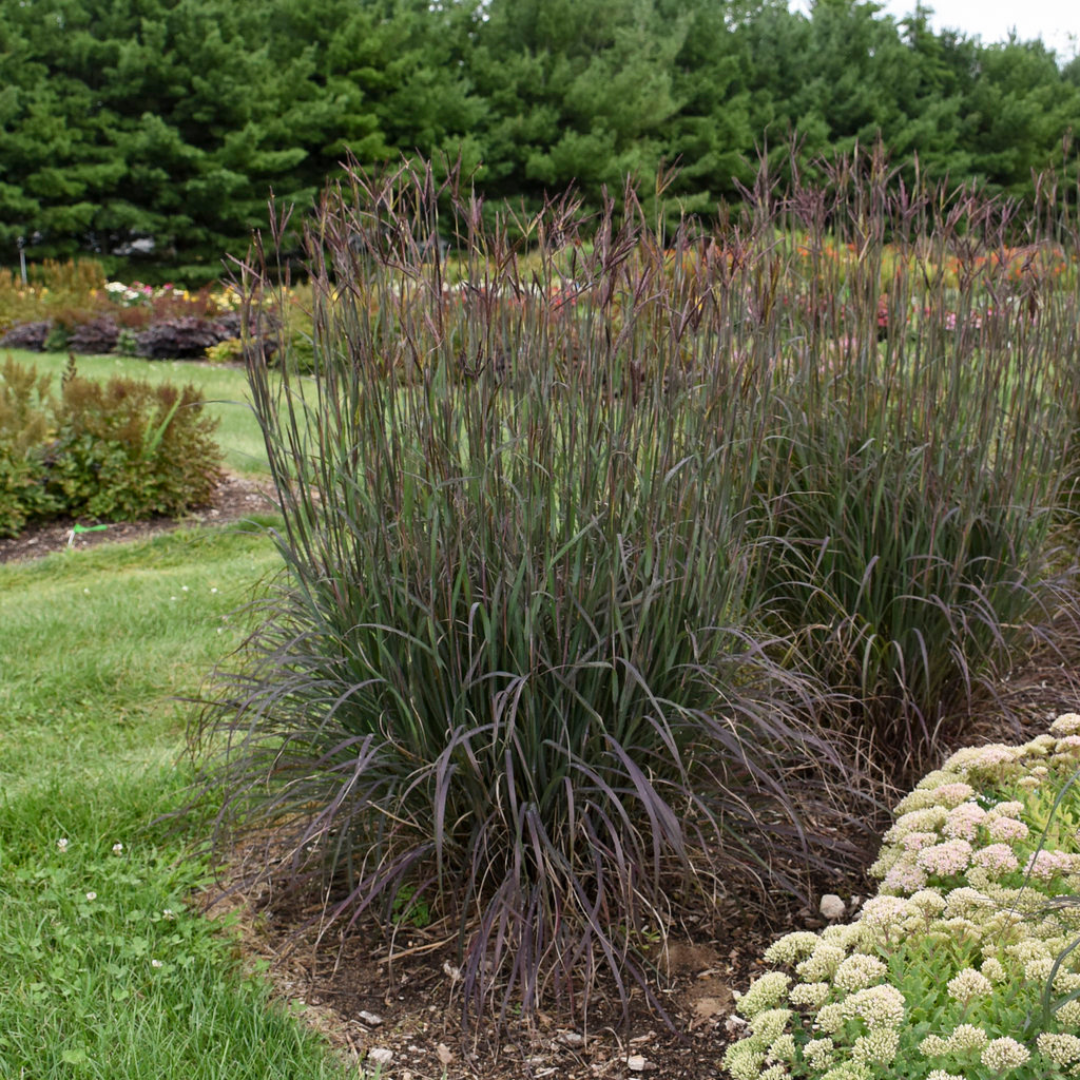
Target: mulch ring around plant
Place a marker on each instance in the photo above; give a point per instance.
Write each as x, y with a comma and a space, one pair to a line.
406, 1009
369, 1004
235, 499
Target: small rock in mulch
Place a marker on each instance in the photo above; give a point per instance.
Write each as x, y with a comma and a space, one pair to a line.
832, 907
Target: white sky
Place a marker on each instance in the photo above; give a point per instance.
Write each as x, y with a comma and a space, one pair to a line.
1057, 22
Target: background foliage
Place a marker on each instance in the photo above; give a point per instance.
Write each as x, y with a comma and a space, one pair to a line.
117, 451
123, 121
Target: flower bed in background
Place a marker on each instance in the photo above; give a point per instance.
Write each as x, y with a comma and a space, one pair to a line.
960, 968
71, 307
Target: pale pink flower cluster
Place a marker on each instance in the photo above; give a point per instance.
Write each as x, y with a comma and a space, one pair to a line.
1007, 828
1066, 724
843, 1000
932, 817
1044, 865
983, 759
946, 795
885, 911
905, 877
953, 795
916, 841
964, 821
998, 859
945, 860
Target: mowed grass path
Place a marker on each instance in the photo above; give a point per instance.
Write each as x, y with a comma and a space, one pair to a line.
225, 389
104, 969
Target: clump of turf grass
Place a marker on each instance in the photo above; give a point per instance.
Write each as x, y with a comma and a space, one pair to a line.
514, 670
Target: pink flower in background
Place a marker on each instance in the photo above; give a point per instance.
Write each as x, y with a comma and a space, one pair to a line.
1045, 864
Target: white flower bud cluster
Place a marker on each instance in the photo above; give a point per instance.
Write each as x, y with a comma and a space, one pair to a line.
1061, 1049
969, 984
764, 993
1004, 1053
859, 971
965, 874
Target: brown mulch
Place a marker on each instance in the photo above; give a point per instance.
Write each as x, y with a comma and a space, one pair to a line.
235, 498
363, 999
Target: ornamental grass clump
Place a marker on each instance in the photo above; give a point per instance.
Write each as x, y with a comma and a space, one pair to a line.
965, 965
510, 674
919, 458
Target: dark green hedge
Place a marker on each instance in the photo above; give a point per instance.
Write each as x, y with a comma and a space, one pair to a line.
122, 120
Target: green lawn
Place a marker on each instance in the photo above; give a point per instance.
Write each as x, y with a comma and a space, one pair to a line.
225, 388
105, 971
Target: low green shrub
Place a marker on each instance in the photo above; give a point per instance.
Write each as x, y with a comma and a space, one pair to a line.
229, 351
127, 342
24, 430
58, 338
119, 451
963, 967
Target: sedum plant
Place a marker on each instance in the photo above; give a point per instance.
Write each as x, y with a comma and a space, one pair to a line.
964, 966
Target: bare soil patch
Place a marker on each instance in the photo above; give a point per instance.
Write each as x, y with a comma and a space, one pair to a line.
365, 997
235, 498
